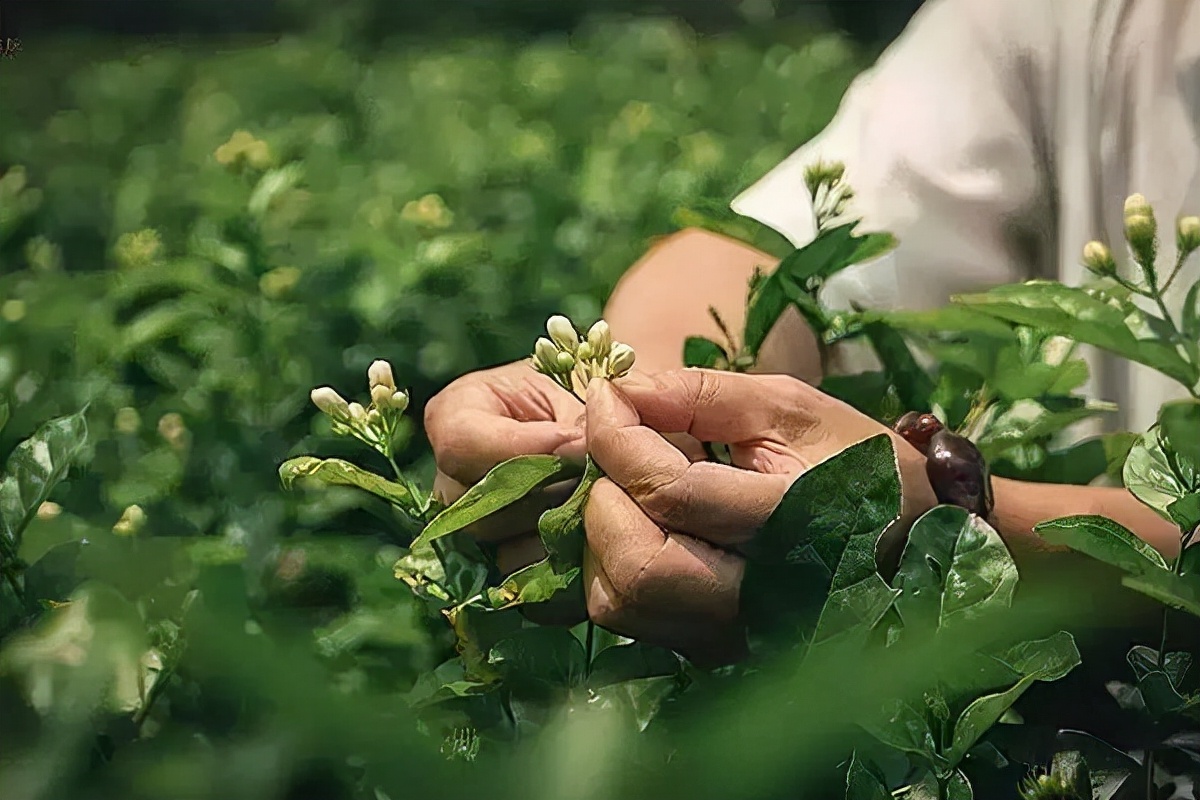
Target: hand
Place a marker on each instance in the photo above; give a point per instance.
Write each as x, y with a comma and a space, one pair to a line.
660, 565
490, 416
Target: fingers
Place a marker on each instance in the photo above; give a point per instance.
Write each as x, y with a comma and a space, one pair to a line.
492, 416
719, 503
667, 589
730, 407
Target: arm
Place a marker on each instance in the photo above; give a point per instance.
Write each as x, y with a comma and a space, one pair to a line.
664, 298
1021, 505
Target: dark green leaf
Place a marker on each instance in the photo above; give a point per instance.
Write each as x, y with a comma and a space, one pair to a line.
1043, 660
33, 469
859, 606
904, 727
561, 529
871, 393
636, 660
1168, 588
1144, 660
641, 697
447, 682
958, 787
862, 783
1159, 694
1103, 539
336, 472
1113, 325
954, 569
913, 386
540, 656
504, 485
701, 352
4, 413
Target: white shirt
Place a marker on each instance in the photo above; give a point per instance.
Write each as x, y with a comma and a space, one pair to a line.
995, 138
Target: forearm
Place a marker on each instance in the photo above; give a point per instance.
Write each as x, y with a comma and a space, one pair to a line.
664, 298
1021, 505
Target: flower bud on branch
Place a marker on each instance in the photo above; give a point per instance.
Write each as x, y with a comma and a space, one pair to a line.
332, 403
380, 374
1099, 259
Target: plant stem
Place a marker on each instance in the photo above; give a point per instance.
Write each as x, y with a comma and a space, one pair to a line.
1179, 259
1151, 789
589, 641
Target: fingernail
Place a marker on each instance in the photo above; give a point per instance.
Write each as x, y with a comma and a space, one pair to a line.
608, 405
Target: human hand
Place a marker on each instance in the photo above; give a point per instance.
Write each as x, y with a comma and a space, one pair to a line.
660, 564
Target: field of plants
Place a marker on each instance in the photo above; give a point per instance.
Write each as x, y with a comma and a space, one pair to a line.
220, 583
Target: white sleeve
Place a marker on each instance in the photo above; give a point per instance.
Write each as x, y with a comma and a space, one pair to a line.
941, 147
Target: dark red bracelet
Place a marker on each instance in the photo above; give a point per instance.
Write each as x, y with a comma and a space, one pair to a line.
955, 467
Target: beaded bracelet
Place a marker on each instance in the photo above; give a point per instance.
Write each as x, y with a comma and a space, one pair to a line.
955, 467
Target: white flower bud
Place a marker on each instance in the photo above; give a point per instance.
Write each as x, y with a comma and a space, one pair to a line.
600, 338
545, 353
373, 416
380, 374
332, 403
48, 510
1136, 206
585, 352
620, 360
1188, 234
1140, 232
357, 412
399, 402
381, 395
563, 332
1099, 259
564, 363
132, 520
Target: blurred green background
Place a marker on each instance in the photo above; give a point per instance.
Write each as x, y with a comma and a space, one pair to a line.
207, 208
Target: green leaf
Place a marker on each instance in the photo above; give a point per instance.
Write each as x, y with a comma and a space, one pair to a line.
33, 469
1028, 421
871, 393
862, 783
504, 485
1159, 694
913, 385
904, 727
958, 787
1078, 464
1087, 317
633, 661
1103, 539
1043, 660
536, 583
859, 606
802, 271
561, 529
701, 352
1168, 588
1144, 660
4, 415
540, 657
641, 697
1190, 321
1163, 467
954, 569
448, 681
336, 472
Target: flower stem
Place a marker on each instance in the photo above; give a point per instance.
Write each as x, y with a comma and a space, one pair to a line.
1179, 259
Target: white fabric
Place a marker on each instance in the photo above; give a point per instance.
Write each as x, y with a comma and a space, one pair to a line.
995, 138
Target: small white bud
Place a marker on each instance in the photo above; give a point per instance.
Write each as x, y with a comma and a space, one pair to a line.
381, 395
373, 416
132, 520
600, 338
620, 360
564, 363
1136, 206
585, 352
380, 374
1099, 259
399, 402
48, 510
357, 412
1189, 234
332, 403
1140, 232
563, 333
545, 353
